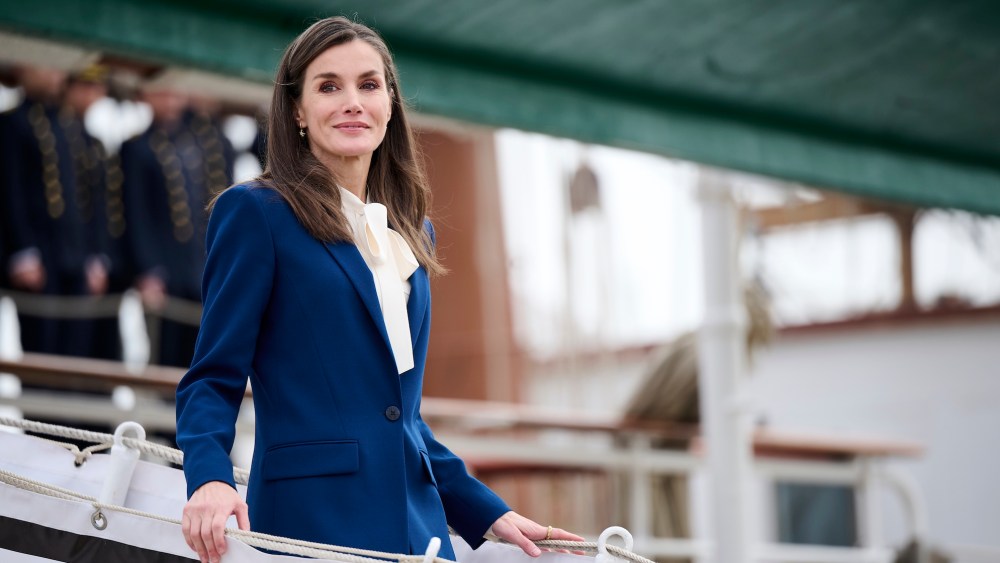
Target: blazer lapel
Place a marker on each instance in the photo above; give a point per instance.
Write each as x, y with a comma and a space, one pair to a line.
350, 260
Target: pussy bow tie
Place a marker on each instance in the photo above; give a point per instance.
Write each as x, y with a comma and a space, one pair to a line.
392, 263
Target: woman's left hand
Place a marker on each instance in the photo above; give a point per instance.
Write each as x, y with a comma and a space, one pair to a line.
522, 531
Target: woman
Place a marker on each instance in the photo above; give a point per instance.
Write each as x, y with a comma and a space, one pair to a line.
323, 302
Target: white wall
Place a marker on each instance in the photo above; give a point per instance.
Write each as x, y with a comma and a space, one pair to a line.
934, 383
937, 384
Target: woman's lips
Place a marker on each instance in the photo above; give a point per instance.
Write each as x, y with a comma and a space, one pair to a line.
351, 126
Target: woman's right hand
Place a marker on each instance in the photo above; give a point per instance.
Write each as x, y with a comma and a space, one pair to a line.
205, 515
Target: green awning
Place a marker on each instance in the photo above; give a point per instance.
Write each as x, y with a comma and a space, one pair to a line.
897, 99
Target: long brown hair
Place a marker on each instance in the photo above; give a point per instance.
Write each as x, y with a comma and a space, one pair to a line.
395, 178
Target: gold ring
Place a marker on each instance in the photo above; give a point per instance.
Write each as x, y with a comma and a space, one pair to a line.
548, 534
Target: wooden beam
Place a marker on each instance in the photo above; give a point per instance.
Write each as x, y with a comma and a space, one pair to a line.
831, 207
905, 222
71, 373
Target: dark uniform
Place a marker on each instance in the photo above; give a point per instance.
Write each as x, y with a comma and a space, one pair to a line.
42, 217
217, 151
168, 177
5, 249
99, 181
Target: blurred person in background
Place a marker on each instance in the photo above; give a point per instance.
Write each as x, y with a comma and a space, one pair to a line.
164, 194
48, 249
258, 147
203, 119
99, 188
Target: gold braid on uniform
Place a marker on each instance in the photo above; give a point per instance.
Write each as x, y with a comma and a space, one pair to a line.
114, 206
85, 159
177, 197
207, 135
42, 128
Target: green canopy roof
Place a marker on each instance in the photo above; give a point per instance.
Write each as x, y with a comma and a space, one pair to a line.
895, 99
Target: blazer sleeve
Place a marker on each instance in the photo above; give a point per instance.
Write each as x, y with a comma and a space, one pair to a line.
469, 505
239, 273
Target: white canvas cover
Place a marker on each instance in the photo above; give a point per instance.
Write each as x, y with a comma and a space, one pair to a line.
37, 527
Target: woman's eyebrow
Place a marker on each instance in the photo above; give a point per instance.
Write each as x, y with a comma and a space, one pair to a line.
334, 75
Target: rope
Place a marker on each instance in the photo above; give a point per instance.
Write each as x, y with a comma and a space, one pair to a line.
80, 455
585, 546
591, 547
172, 455
255, 539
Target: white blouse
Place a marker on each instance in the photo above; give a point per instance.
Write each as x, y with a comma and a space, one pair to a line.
391, 262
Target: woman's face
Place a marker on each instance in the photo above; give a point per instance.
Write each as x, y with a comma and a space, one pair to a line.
345, 104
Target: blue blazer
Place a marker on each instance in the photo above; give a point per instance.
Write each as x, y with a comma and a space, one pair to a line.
341, 454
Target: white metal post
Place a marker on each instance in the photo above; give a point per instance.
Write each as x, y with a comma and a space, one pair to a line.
10, 330
721, 358
10, 349
870, 510
641, 511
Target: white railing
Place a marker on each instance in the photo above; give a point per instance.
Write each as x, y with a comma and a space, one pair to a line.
637, 461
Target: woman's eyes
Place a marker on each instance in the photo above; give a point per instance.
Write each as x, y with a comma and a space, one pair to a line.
329, 87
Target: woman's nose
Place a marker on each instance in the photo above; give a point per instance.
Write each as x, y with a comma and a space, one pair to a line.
352, 104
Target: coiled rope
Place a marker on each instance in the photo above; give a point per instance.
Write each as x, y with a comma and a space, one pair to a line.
255, 539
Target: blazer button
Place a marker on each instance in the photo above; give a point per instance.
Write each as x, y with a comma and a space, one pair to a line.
392, 413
